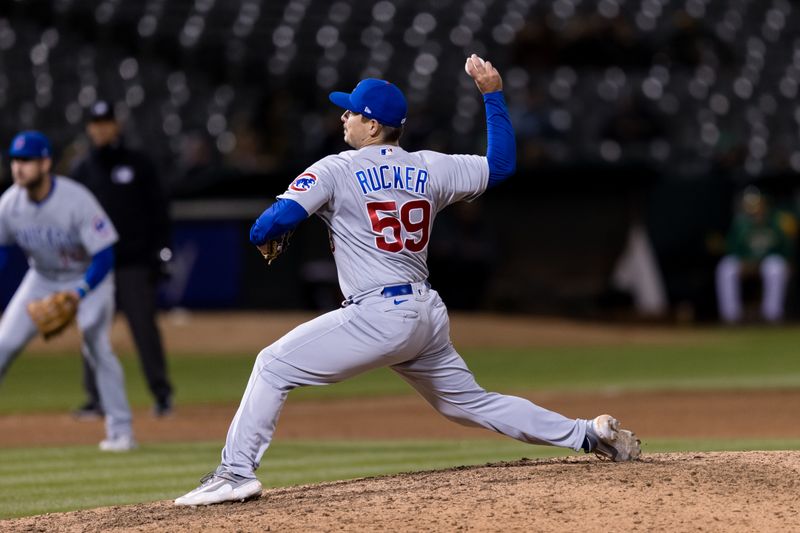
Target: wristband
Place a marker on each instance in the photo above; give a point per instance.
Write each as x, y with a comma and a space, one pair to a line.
82, 289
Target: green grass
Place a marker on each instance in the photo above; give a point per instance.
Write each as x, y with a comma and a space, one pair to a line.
745, 358
42, 480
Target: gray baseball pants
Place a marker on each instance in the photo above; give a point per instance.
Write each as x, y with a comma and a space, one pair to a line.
410, 334
95, 313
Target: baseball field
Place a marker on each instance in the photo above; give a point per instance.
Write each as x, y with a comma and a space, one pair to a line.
716, 409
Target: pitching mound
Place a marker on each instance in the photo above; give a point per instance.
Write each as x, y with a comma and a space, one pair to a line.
742, 491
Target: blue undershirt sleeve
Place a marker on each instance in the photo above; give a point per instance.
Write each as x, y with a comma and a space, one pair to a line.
4, 250
282, 216
501, 149
101, 265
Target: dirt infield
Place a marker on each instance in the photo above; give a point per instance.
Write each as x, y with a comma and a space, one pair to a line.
718, 414
742, 491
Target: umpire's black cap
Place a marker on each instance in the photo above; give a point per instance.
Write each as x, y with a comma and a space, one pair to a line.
101, 110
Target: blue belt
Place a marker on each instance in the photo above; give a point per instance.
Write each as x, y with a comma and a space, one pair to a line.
397, 290
390, 292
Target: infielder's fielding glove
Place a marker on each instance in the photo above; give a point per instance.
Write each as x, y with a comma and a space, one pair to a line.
54, 313
275, 247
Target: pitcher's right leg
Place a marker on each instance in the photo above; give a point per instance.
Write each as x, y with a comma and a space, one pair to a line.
444, 380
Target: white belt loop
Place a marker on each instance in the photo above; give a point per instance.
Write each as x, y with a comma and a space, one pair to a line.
421, 288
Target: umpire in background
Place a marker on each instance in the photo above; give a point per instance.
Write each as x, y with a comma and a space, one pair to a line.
127, 185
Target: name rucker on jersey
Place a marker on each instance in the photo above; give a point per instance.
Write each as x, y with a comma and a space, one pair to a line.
374, 179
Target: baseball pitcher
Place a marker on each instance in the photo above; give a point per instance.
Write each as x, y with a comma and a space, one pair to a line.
379, 203
68, 240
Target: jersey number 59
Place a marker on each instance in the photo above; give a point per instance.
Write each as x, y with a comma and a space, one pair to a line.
415, 219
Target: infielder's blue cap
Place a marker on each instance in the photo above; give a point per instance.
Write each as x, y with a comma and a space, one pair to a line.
376, 99
30, 145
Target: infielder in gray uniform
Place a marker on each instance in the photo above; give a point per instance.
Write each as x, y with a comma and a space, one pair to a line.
68, 240
379, 202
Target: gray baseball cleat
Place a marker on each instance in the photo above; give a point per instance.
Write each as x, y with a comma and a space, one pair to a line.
222, 486
614, 443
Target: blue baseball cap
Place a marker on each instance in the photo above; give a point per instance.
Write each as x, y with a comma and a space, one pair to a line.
30, 145
376, 99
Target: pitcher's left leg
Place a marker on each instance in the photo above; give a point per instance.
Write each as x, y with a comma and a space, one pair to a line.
328, 349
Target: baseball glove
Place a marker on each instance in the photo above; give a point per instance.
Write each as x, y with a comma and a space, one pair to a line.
275, 247
54, 313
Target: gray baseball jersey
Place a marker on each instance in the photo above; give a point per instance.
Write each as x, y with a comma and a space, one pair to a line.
60, 235
379, 203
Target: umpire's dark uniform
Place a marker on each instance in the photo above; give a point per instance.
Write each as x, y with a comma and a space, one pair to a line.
126, 184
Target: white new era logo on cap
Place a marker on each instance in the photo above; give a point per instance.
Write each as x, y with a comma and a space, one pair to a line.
367, 109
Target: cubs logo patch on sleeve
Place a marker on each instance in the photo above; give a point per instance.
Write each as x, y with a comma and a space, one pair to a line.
303, 182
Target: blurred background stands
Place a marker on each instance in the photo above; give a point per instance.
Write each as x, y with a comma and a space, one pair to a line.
627, 111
